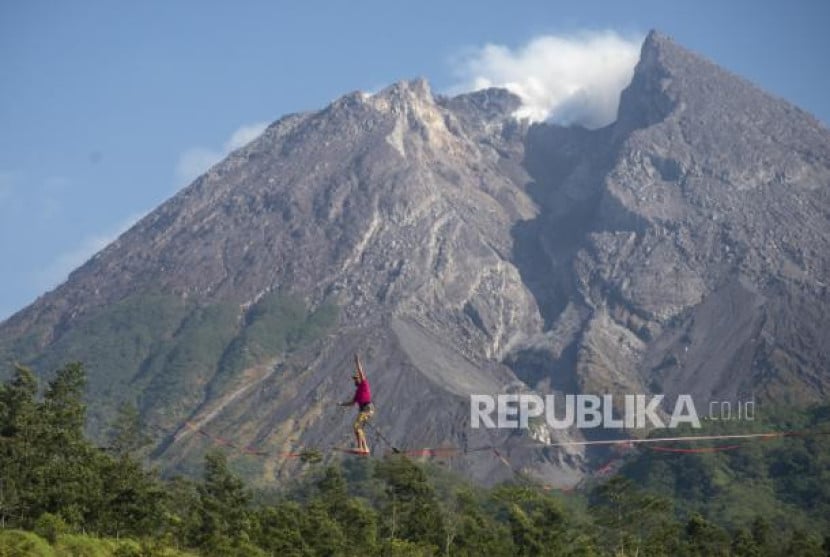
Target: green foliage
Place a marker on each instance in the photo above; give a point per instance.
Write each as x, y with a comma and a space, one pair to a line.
311, 456
17, 543
632, 520
44, 456
275, 325
704, 538
114, 341
133, 503
187, 357
539, 524
785, 479
279, 529
181, 513
744, 545
404, 548
223, 518
85, 546
55, 482
411, 509
164, 352
805, 544
356, 520
126, 434
52, 475
50, 526
474, 530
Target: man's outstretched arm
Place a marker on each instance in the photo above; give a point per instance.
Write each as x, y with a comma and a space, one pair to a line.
359, 368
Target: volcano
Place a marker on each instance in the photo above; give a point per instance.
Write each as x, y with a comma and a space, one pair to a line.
682, 249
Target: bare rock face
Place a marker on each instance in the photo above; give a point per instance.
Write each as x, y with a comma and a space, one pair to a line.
718, 205
682, 249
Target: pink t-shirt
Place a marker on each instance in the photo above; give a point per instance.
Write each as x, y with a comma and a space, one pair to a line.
363, 395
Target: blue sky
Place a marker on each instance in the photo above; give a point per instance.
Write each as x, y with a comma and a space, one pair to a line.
106, 106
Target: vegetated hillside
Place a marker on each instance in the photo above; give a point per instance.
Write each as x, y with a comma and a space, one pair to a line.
761, 498
682, 249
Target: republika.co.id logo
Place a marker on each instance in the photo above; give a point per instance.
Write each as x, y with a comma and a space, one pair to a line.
514, 411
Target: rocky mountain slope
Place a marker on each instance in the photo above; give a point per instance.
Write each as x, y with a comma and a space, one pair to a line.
682, 249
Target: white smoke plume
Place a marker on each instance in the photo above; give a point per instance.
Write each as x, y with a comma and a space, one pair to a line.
568, 80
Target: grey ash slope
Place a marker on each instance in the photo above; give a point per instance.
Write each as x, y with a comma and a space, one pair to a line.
681, 249
396, 208
711, 234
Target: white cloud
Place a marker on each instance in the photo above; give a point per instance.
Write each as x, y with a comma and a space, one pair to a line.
574, 79
197, 160
245, 135
193, 162
65, 263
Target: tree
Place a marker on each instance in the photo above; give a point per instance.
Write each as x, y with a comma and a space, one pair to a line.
51, 470
476, 532
743, 545
633, 520
48, 465
69, 479
17, 402
356, 520
805, 545
133, 502
411, 509
321, 532
63, 403
223, 505
279, 529
18, 433
126, 434
704, 538
538, 523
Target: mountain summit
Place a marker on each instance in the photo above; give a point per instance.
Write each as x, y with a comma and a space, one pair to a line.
681, 250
